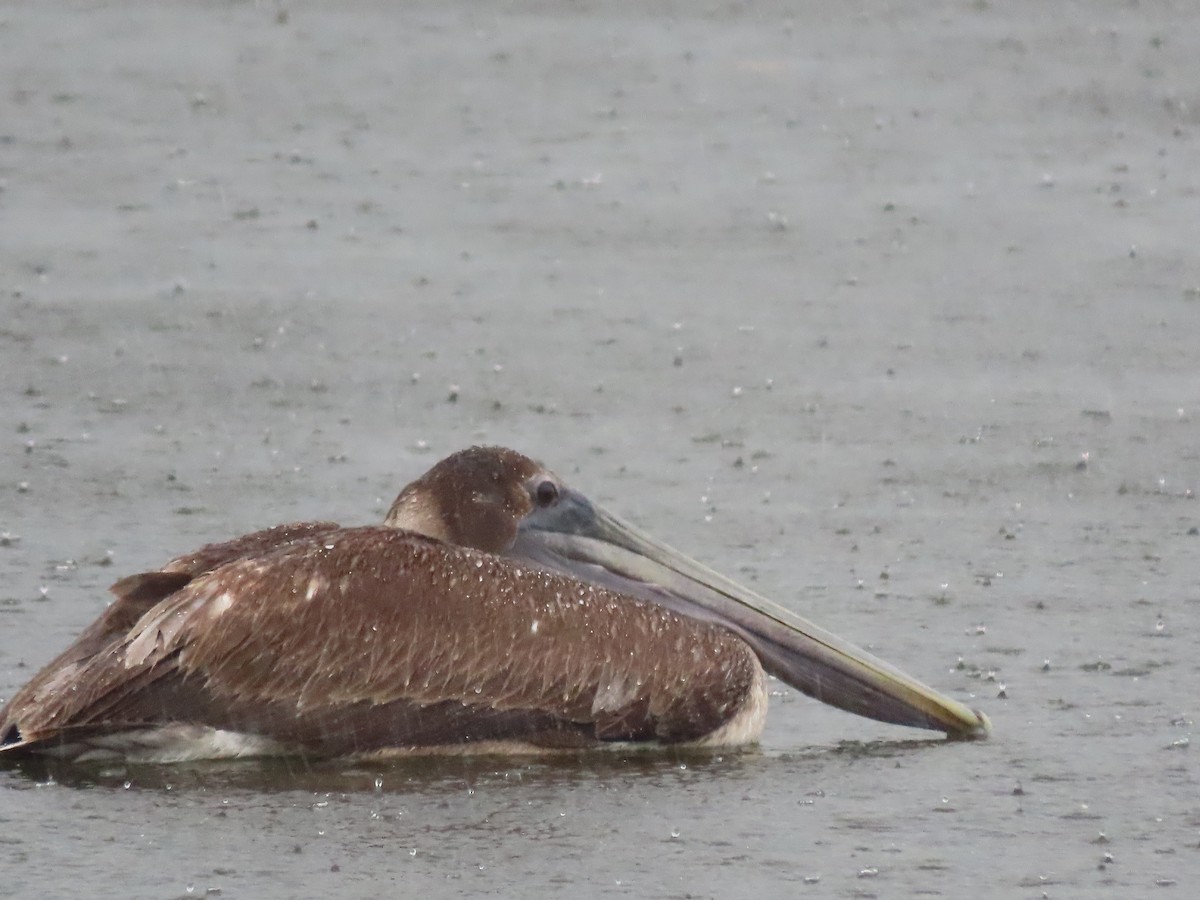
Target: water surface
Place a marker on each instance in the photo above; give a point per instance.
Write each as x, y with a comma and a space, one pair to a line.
891, 313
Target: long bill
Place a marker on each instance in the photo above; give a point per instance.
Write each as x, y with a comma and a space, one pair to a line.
579, 538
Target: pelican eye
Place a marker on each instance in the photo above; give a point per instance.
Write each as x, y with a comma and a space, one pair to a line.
546, 493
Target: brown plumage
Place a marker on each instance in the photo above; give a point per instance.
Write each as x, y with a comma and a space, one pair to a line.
495, 608
331, 641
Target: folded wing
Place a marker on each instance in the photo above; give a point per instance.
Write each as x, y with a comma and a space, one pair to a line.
334, 641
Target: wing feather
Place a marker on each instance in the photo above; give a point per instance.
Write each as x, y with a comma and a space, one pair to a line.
421, 622
80, 685
350, 640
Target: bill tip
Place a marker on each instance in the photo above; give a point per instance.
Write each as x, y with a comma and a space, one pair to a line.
978, 730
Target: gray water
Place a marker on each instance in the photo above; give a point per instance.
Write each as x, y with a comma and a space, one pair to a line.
890, 312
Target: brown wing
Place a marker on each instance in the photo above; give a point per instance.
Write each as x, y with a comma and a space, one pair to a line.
368, 638
135, 596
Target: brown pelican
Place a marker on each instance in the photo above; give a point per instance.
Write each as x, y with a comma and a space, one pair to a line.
495, 609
